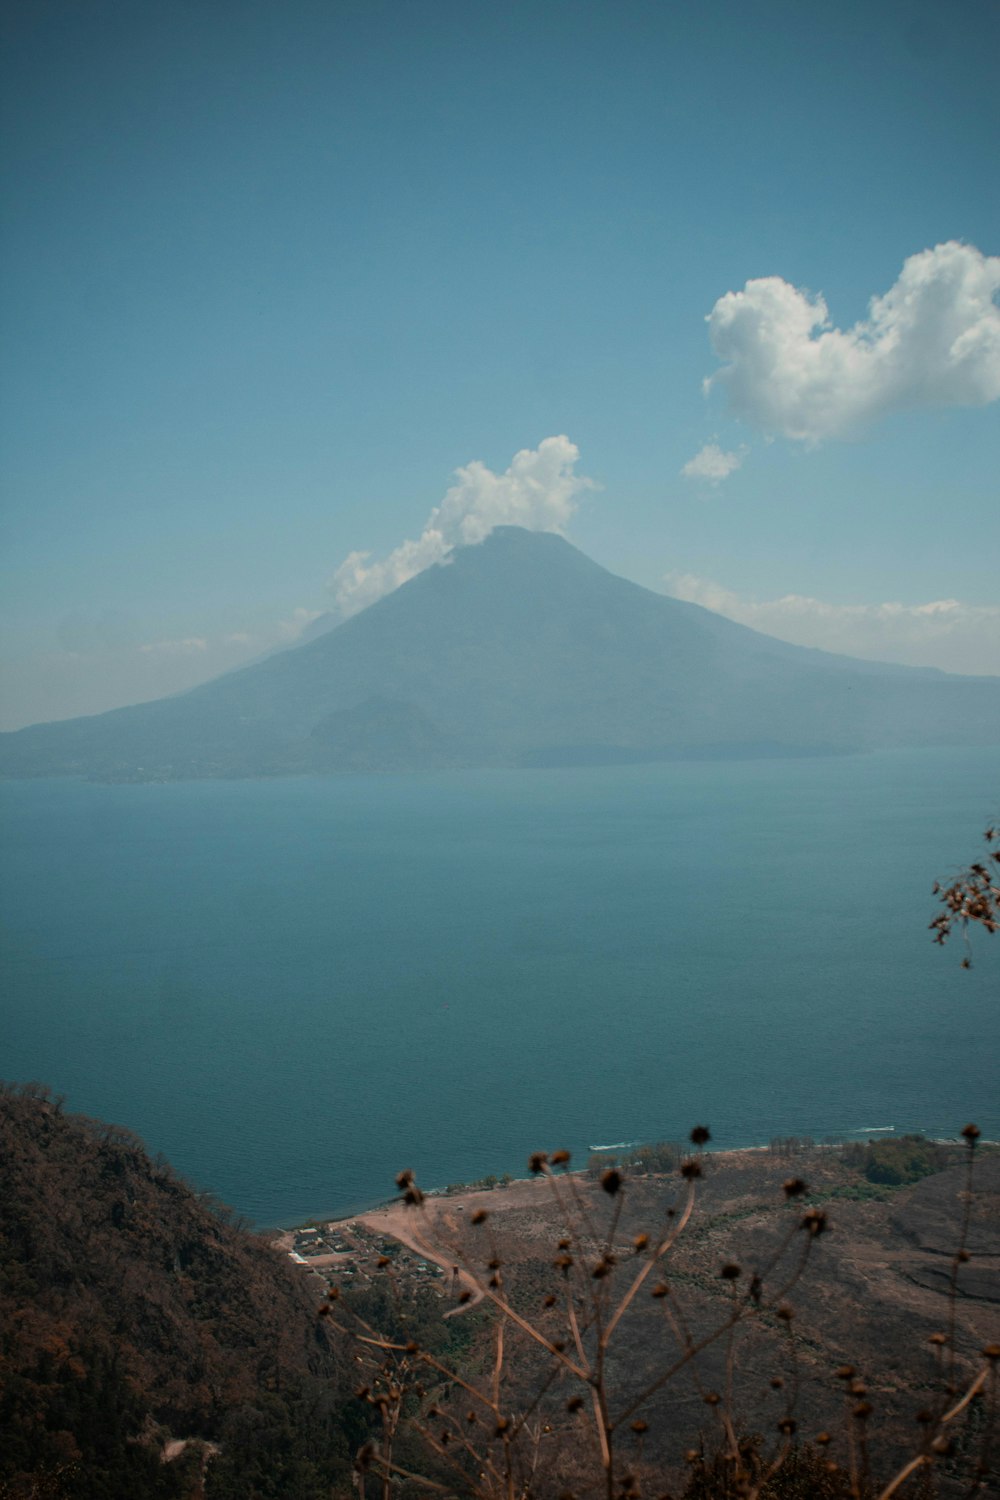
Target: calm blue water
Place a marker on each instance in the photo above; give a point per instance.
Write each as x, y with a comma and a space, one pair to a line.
294, 988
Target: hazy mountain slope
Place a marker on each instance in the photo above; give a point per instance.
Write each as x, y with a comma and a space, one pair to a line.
522, 651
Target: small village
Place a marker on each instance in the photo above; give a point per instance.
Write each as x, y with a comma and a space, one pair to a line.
346, 1253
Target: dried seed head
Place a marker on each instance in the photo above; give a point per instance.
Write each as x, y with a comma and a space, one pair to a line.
991, 1352
413, 1196
785, 1313
403, 1179
846, 1372
787, 1425
494, 1281
731, 1271
559, 1158
822, 1438
794, 1187
937, 1338
412, 1347
776, 1383
382, 1261
711, 1398
324, 1311
479, 1217
690, 1170
611, 1181
700, 1135
562, 1263
863, 1410
564, 1244
470, 1416
549, 1301
943, 1445
333, 1293
574, 1403
493, 1265
858, 1388
814, 1222
971, 1133
640, 1242
639, 1426
660, 1290
465, 1296
963, 1257
537, 1161
503, 1425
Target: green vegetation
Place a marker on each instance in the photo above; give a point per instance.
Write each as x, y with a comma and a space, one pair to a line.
481, 1184
657, 1156
895, 1162
854, 1192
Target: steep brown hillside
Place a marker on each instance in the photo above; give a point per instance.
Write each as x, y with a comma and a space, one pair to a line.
134, 1315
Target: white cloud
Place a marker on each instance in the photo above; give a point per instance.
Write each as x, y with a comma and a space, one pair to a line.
932, 340
189, 645
290, 629
942, 633
539, 491
712, 464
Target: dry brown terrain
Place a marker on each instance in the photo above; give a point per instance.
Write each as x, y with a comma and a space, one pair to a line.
875, 1287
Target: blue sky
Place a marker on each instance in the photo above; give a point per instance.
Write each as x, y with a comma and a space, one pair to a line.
272, 274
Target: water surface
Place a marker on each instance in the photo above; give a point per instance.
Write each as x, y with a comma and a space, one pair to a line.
293, 988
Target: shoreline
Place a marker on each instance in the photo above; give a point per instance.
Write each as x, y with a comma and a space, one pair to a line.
498, 1191
467, 1190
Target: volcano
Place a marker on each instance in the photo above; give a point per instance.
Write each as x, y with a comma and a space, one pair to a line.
519, 651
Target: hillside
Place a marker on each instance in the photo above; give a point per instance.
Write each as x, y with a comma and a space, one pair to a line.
151, 1347
874, 1295
520, 652
135, 1316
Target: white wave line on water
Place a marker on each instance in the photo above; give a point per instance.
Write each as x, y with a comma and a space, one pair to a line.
615, 1146
871, 1129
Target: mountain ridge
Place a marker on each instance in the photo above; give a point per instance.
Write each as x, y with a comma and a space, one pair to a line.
520, 651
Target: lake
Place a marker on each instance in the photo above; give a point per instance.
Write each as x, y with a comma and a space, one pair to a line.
294, 988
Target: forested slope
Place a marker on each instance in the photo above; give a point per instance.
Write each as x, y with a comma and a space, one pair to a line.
135, 1314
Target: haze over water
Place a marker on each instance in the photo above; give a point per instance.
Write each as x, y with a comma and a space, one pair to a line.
293, 988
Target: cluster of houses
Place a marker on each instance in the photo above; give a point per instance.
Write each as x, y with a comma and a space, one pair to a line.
348, 1254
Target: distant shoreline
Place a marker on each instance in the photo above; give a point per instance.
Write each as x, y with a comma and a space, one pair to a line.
498, 1191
